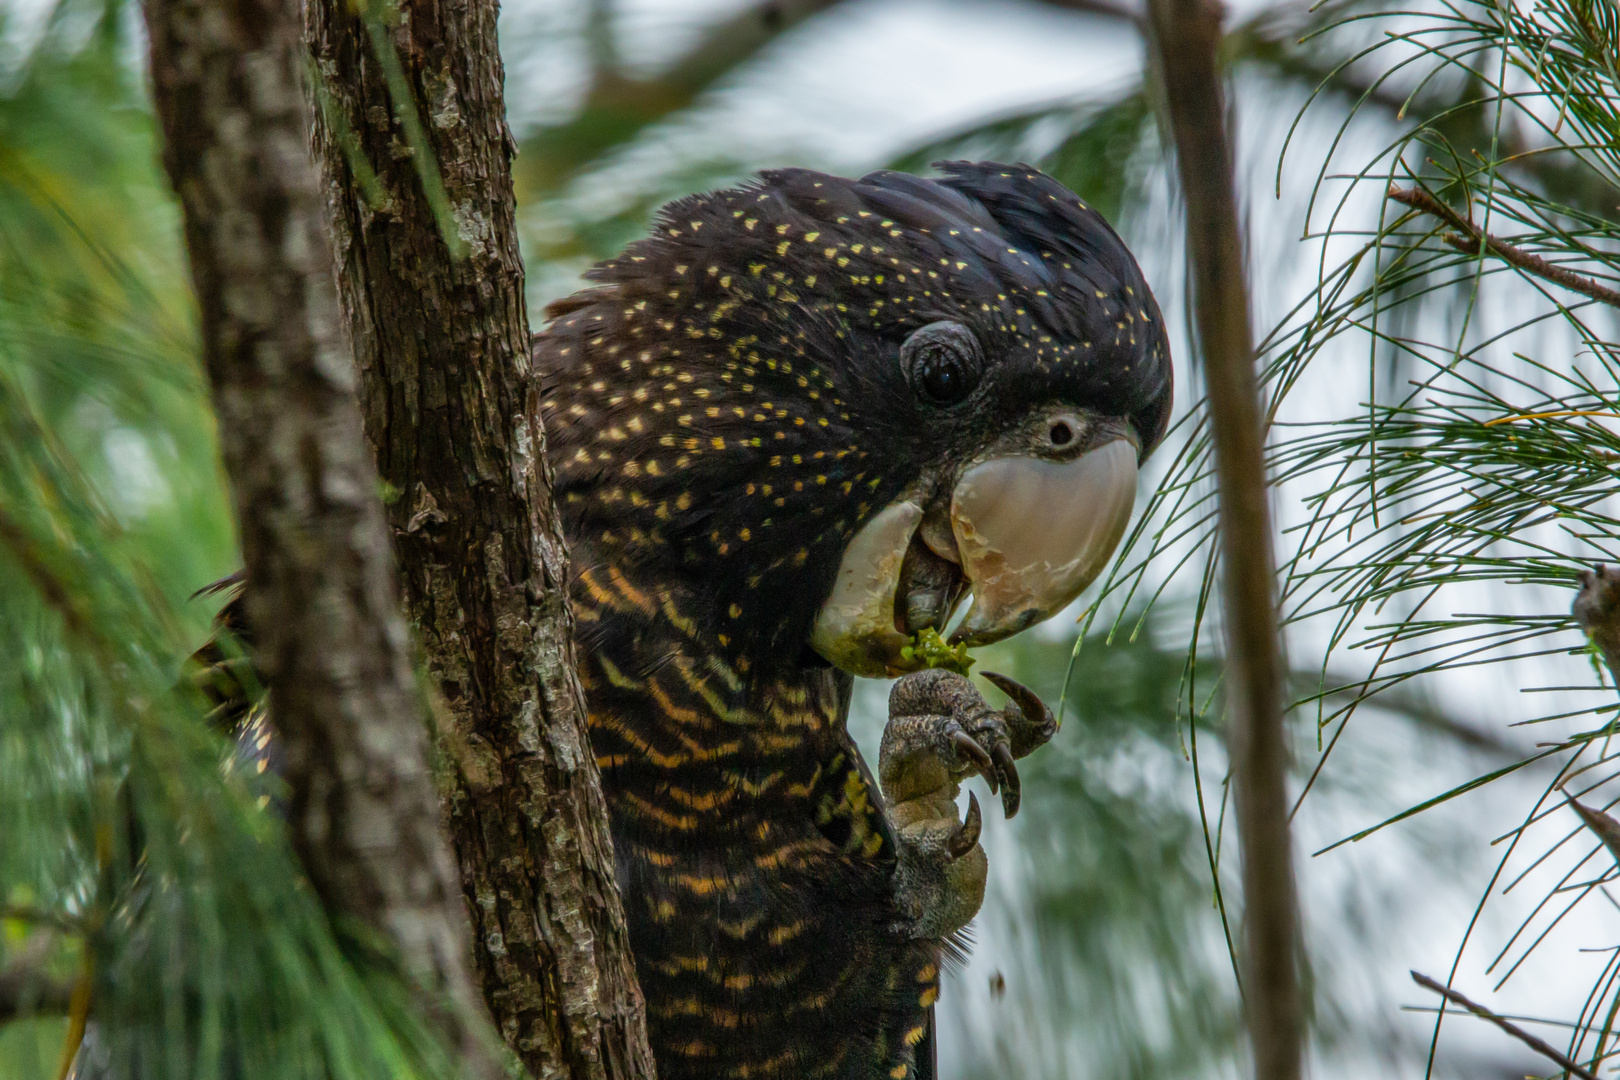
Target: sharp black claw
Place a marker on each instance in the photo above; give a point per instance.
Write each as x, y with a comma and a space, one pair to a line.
967, 833
970, 749
1011, 790
1036, 715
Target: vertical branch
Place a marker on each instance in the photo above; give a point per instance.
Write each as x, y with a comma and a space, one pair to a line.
1186, 34
441, 340
228, 78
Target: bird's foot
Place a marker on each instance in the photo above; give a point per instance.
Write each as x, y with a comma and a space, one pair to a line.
940, 731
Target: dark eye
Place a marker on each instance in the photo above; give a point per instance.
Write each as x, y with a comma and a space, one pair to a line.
942, 362
941, 378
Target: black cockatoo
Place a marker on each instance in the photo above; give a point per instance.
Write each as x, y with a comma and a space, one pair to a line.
797, 426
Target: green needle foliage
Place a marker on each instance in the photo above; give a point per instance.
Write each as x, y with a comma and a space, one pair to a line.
1436, 526
175, 896
135, 867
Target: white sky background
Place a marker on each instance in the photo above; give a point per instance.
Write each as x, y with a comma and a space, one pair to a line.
847, 92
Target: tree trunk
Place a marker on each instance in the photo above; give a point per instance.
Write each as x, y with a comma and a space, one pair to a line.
416, 153
228, 78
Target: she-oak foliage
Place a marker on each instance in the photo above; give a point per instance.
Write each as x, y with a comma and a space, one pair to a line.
1443, 522
1482, 454
139, 882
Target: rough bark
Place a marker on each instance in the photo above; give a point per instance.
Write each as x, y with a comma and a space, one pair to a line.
442, 344
228, 78
1186, 35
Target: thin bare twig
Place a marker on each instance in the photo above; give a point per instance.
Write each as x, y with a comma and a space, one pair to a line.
1506, 1025
1471, 236
1605, 827
78, 1014
1186, 36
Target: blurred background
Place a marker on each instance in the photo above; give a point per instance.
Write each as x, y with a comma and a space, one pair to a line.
1104, 946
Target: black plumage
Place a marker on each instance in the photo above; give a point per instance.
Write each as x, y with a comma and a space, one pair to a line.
769, 318
725, 409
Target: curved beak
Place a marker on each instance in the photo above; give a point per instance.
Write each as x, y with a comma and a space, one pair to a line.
1025, 535
1033, 534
